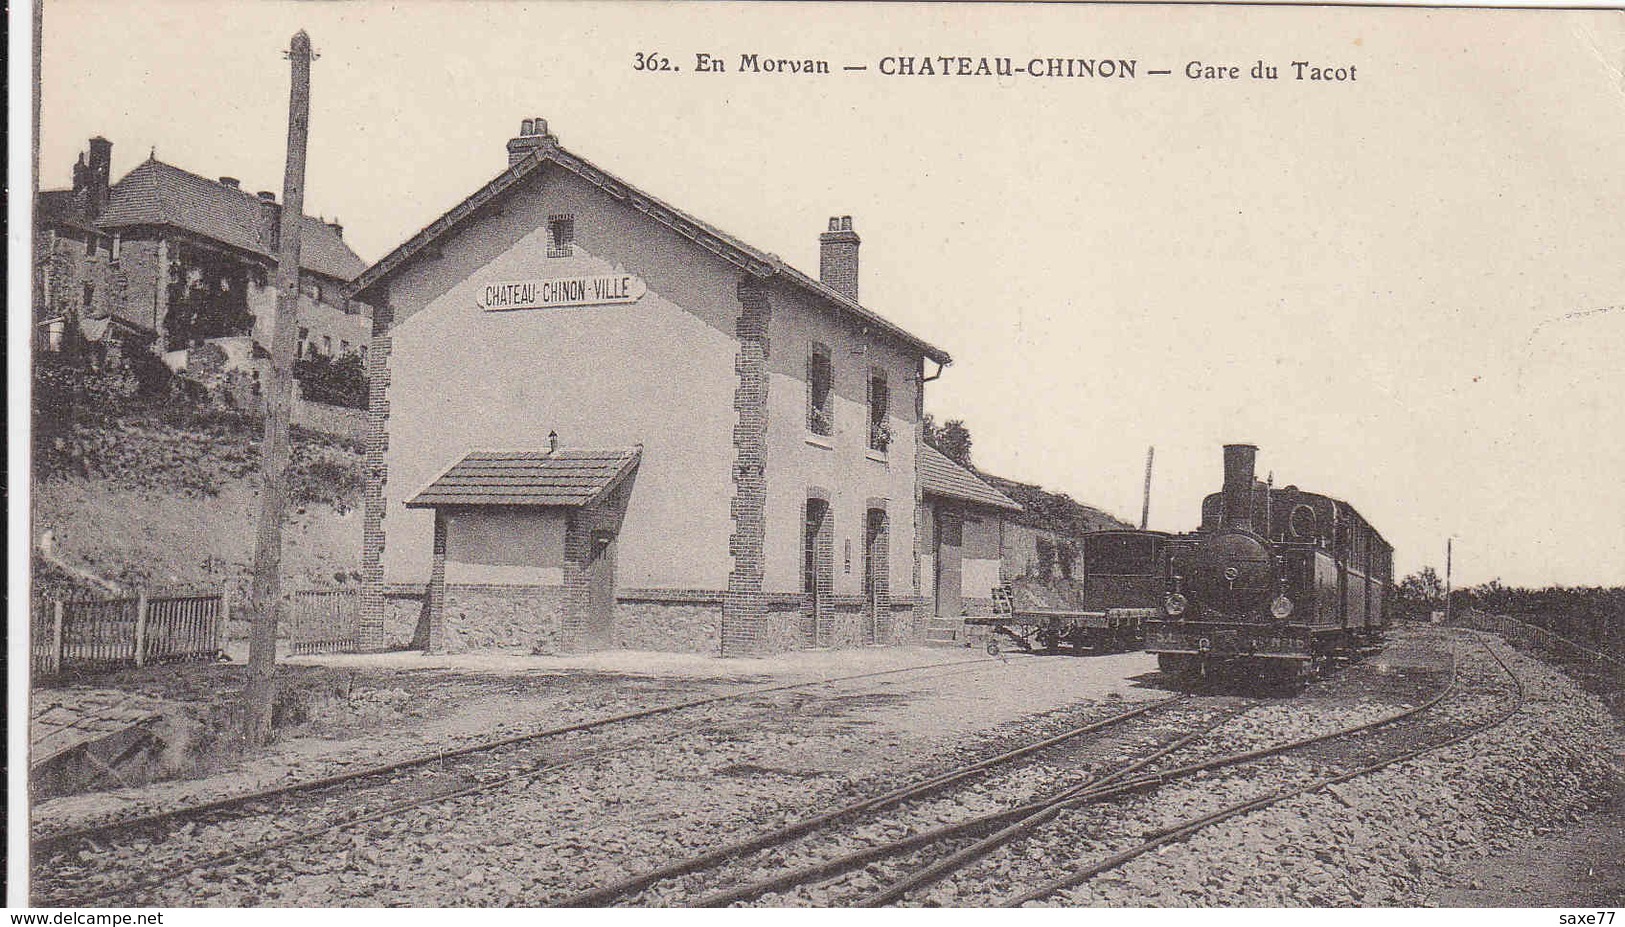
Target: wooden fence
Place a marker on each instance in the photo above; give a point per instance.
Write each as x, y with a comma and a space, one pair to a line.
1533, 635
325, 621
89, 634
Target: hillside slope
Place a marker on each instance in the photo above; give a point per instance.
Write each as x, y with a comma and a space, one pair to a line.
152, 488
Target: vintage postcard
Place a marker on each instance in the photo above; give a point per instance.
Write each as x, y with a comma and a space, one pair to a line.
582, 455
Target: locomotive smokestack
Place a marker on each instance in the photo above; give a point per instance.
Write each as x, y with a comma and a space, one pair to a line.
1240, 461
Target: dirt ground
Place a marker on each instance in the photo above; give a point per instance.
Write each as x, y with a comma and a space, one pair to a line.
1582, 866
341, 712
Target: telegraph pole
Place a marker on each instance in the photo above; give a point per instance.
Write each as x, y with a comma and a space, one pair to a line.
1145, 506
1449, 553
265, 600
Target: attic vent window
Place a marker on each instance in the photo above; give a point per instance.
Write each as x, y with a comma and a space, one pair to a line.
561, 235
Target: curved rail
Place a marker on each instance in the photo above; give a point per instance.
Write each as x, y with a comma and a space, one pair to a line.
1192, 825
48, 844
982, 822
1023, 819
605, 894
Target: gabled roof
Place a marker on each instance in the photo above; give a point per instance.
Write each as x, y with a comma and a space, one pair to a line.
725, 246
564, 477
155, 193
940, 476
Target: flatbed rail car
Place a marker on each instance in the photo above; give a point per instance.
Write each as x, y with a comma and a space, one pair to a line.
1120, 585
1274, 583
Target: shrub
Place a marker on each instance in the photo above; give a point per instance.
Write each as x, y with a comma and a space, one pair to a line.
340, 381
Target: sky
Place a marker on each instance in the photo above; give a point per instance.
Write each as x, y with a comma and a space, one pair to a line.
1407, 288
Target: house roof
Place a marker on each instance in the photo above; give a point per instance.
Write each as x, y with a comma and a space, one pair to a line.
155, 193
729, 248
940, 476
564, 477
62, 207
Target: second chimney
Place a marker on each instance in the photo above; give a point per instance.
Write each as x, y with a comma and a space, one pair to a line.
533, 134
838, 257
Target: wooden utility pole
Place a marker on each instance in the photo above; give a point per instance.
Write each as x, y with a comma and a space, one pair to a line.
1449, 555
266, 597
1145, 506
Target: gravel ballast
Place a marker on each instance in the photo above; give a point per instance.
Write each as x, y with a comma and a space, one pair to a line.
1399, 836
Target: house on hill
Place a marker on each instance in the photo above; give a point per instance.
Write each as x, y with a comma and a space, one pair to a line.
599, 421
165, 259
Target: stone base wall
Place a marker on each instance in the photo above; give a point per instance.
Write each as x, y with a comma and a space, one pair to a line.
673, 627
784, 630
403, 619
527, 619
905, 628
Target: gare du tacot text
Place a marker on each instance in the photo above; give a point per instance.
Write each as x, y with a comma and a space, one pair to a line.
1047, 66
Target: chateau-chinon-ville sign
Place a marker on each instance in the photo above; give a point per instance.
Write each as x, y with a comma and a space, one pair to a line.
562, 292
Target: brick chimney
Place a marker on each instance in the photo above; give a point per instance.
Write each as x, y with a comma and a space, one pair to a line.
336, 227
270, 220
231, 182
838, 257
93, 179
533, 134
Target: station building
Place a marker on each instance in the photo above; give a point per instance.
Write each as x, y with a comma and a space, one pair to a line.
597, 421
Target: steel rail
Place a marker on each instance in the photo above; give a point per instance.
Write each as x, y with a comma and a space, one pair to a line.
50, 844
837, 865
1191, 826
958, 860
535, 771
603, 895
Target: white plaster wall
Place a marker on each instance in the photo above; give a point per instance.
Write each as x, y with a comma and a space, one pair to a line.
658, 372
845, 467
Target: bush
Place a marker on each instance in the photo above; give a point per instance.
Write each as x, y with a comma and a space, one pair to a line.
340, 381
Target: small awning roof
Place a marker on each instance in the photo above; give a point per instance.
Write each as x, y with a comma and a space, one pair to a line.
940, 476
568, 476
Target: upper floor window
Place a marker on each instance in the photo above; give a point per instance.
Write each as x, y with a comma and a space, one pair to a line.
327, 345
89, 295
879, 407
118, 242
344, 347
90, 245
304, 338
561, 235
820, 391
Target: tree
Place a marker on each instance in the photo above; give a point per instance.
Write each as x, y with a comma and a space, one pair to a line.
1422, 591
952, 439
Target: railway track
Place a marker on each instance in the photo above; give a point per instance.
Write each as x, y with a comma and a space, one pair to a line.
1382, 759
861, 809
69, 869
930, 854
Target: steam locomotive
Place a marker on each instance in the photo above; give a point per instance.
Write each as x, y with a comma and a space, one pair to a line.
1274, 582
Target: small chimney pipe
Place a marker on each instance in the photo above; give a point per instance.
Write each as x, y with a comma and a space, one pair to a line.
231, 182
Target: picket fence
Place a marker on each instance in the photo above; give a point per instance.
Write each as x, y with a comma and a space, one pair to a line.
325, 621
102, 634
133, 631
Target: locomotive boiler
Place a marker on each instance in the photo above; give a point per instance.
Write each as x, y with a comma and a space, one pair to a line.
1274, 582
